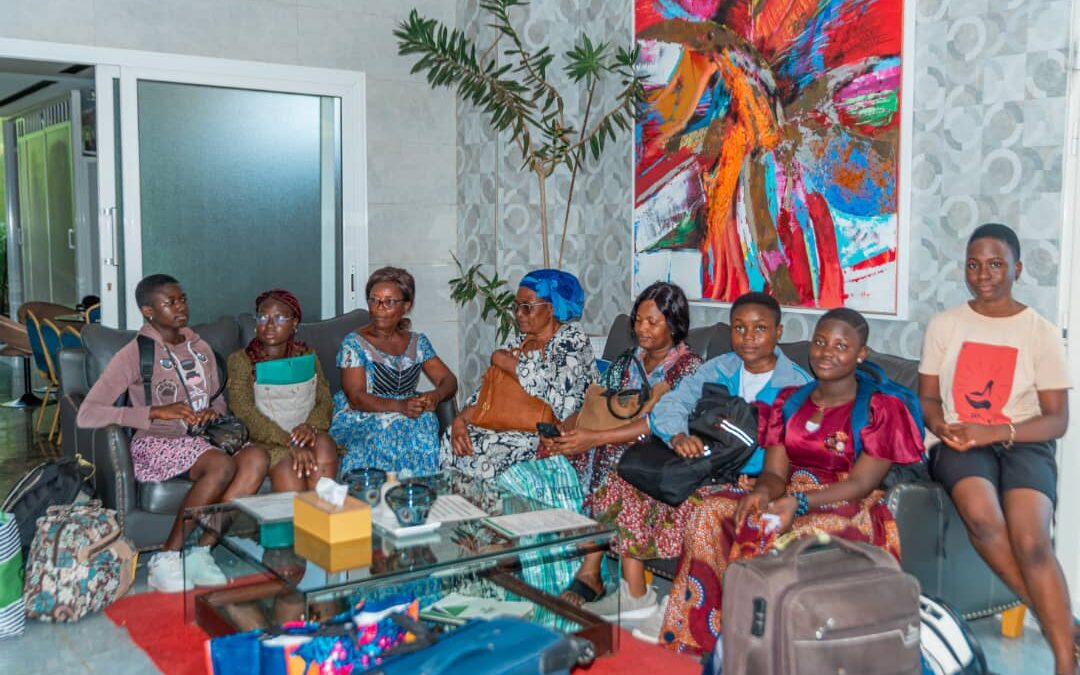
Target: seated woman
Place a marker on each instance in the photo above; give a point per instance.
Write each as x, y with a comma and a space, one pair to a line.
811, 480
303, 452
182, 387
659, 323
755, 370
380, 417
557, 369
994, 388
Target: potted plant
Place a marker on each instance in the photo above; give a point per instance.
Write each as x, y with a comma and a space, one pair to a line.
511, 85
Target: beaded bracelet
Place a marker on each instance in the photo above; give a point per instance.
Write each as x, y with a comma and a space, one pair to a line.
1012, 435
802, 504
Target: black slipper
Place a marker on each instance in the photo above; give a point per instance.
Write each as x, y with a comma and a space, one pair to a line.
584, 591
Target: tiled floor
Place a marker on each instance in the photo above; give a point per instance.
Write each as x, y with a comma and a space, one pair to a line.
95, 645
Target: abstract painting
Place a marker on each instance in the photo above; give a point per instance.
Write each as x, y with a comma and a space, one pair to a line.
767, 150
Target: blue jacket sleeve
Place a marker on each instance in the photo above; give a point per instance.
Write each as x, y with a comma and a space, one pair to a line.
672, 411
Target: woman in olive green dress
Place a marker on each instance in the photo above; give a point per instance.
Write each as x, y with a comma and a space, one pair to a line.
303, 454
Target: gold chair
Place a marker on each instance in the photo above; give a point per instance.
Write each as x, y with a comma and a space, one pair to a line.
45, 344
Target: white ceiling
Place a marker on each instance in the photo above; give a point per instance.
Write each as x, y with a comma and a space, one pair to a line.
17, 75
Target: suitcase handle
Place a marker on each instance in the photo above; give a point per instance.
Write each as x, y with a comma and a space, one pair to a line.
795, 550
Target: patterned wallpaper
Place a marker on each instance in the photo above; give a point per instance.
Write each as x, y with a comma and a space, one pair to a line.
989, 112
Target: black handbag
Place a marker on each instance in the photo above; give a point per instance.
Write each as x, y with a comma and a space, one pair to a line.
729, 427
225, 432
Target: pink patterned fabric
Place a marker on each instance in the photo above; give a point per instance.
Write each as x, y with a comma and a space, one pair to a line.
158, 458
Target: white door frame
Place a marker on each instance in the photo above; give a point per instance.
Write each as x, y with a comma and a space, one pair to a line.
1068, 455
127, 65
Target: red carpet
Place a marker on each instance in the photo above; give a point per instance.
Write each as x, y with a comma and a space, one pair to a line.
155, 622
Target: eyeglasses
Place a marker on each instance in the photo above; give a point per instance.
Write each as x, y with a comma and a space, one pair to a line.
384, 303
278, 319
527, 307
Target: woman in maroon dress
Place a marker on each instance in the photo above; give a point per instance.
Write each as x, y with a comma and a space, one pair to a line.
812, 482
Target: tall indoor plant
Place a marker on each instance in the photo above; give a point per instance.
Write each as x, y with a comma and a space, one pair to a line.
511, 85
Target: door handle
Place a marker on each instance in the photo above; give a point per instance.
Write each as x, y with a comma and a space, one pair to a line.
112, 259
71, 239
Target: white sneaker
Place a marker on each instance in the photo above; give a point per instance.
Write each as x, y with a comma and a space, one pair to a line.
167, 573
649, 629
622, 605
200, 568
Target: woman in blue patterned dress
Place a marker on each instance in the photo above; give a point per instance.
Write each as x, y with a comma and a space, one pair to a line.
380, 417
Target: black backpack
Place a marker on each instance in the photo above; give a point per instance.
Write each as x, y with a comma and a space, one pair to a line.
48, 484
729, 427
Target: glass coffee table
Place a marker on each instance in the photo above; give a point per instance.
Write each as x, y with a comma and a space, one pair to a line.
466, 558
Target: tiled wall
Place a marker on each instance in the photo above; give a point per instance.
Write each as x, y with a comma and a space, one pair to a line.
989, 131
411, 130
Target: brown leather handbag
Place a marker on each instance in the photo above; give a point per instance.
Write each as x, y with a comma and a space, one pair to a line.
503, 405
605, 408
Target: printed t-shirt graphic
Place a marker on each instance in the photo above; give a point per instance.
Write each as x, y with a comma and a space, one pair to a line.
983, 382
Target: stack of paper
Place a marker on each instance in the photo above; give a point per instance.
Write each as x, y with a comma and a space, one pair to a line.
539, 522
456, 609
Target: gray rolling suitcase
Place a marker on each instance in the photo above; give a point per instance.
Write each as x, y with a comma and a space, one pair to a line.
811, 609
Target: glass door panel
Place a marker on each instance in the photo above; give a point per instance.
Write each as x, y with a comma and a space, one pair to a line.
61, 205
238, 191
34, 217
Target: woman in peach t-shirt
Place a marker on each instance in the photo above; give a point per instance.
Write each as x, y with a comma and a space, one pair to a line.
994, 389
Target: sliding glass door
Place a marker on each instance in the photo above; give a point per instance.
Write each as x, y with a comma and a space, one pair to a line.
233, 185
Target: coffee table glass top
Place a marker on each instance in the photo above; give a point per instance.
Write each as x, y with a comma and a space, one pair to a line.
453, 548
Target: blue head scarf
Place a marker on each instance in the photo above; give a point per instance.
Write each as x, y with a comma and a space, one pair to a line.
561, 289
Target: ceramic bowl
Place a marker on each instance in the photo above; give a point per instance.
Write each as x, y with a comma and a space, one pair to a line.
411, 501
366, 483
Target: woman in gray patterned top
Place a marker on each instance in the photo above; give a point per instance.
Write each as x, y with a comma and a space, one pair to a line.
558, 373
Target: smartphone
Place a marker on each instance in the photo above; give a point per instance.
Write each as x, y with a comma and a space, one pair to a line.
547, 429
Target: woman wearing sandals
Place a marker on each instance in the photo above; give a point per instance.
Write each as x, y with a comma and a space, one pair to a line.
994, 390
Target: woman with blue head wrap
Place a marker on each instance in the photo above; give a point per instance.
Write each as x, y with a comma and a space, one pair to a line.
557, 365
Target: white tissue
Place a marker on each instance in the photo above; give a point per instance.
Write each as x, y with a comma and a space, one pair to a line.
332, 492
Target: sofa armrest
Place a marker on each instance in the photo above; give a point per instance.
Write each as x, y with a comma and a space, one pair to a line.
76, 441
114, 473
446, 411
73, 372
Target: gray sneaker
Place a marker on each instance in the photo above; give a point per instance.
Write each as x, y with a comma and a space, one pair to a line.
649, 629
622, 605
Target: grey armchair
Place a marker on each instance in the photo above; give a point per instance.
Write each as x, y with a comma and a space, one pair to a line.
147, 510
934, 546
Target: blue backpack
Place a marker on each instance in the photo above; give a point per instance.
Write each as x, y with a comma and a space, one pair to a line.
871, 380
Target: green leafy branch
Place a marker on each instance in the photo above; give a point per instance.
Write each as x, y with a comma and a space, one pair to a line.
494, 291
518, 97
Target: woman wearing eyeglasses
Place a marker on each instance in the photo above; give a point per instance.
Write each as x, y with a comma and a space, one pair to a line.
380, 416
557, 371
300, 450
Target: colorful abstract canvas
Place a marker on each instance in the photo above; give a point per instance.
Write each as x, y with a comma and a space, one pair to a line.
767, 150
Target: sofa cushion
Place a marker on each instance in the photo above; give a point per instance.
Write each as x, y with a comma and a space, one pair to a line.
101, 342
706, 341
163, 497
900, 370
325, 338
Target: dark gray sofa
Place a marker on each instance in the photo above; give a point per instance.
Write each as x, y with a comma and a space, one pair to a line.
147, 510
934, 544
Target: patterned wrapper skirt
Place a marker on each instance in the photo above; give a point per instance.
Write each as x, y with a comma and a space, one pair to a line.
693, 622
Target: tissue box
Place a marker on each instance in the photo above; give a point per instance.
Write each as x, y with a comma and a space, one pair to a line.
337, 557
331, 524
